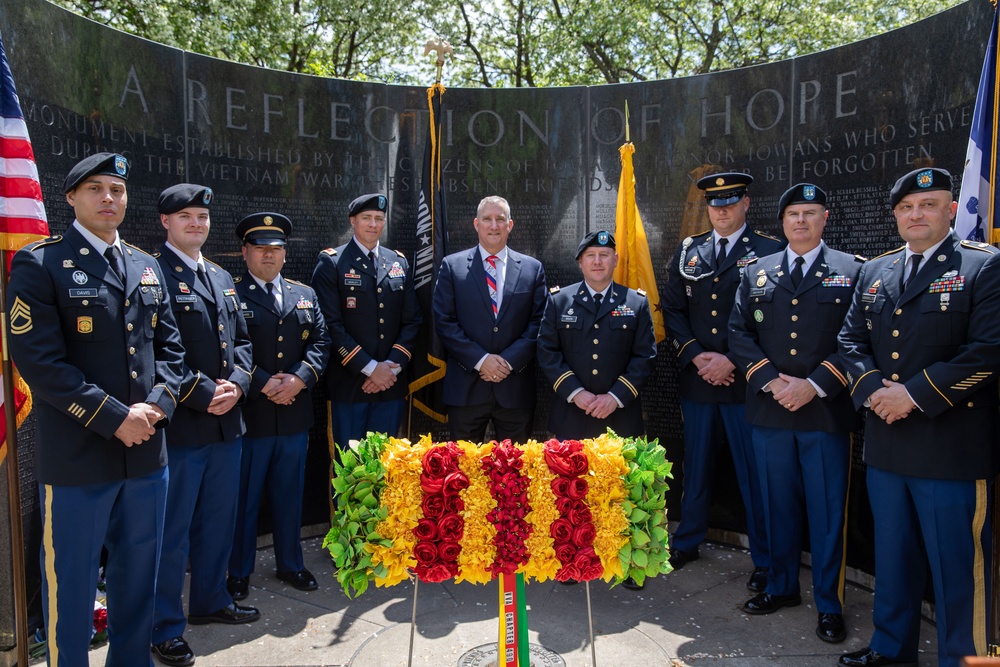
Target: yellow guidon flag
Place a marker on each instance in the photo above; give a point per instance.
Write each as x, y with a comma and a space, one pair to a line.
635, 265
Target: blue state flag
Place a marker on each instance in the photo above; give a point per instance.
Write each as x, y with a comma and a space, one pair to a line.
977, 203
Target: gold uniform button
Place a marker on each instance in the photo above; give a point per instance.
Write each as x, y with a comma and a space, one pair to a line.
716, 279
225, 345
795, 302
715, 296
970, 404
129, 327
496, 329
595, 356
281, 355
595, 341
895, 377
127, 303
794, 335
795, 318
594, 371
715, 313
714, 330
134, 375
222, 327
597, 326
379, 290
381, 305
225, 363
281, 338
895, 333
837, 300
281, 321
381, 336
793, 352
944, 307
624, 326
381, 321
131, 350
895, 355
187, 307
899, 311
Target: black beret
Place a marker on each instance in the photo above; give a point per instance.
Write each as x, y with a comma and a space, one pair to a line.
920, 180
372, 202
105, 164
264, 229
801, 193
602, 239
725, 189
183, 195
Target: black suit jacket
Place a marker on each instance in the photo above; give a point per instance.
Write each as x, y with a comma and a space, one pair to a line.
90, 347
778, 328
216, 346
463, 318
293, 341
941, 339
697, 304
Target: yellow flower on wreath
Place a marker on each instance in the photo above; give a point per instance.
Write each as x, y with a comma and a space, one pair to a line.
478, 548
542, 563
605, 494
401, 496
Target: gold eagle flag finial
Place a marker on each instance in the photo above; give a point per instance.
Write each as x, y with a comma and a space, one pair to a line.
442, 47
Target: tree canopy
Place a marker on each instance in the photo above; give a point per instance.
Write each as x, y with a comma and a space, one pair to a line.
506, 43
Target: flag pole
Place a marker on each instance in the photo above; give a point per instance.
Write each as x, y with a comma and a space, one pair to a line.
14, 483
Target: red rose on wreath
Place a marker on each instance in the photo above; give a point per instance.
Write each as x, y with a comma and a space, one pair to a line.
432, 506
558, 457
453, 504
449, 550
561, 530
430, 484
455, 482
566, 552
438, 573
560, 486
583, 536
439, 462
579, 514
577, 488
425, 553
426, 530
451, 528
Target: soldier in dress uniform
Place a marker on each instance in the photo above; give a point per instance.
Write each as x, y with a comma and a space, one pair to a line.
920, 346
366, 294
596, 347
204, 437
290, 351
77, 303
703, 277
783, 334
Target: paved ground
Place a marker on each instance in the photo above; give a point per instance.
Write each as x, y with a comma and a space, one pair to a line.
691, 617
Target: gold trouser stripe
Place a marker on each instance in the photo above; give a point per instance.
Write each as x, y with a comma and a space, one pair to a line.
50, 577
950, 404
979, 570
874, 370
333, 452
847, 504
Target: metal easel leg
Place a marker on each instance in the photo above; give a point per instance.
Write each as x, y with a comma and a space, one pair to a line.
590, 622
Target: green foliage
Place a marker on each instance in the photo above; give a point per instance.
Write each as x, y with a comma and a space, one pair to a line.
358, 481
646, 553
506, 43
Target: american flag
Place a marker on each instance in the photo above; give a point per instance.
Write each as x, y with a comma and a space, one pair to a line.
22, 213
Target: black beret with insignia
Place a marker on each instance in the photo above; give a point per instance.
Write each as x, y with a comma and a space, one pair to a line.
372, 202
801, 193
920, 180
184, 195
98, 164
726, 188
264, 229
601, 239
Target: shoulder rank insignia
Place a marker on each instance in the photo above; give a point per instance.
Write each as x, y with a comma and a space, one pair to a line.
20, 317
68, 264
641, 292
328, 251
400, 254
860, 258
978, 245
554, 290
766, 236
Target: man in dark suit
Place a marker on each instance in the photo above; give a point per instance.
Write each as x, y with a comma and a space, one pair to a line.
783, 334
920, 346
77, 302
290, 351
203, 438
366, 294
596, 348
488, 304
703, 277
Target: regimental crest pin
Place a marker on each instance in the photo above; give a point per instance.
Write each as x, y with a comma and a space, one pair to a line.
809, 192
206, 196
80, 278
121, 165
925, 179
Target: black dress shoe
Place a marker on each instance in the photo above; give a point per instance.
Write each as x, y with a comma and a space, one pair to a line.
830, 628
679, 559
866, 657
302, 580
233, 614
758, 580
632, 585
174, 652
762, 603
238, 587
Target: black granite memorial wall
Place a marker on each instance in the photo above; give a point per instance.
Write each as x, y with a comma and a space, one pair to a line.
851, 119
